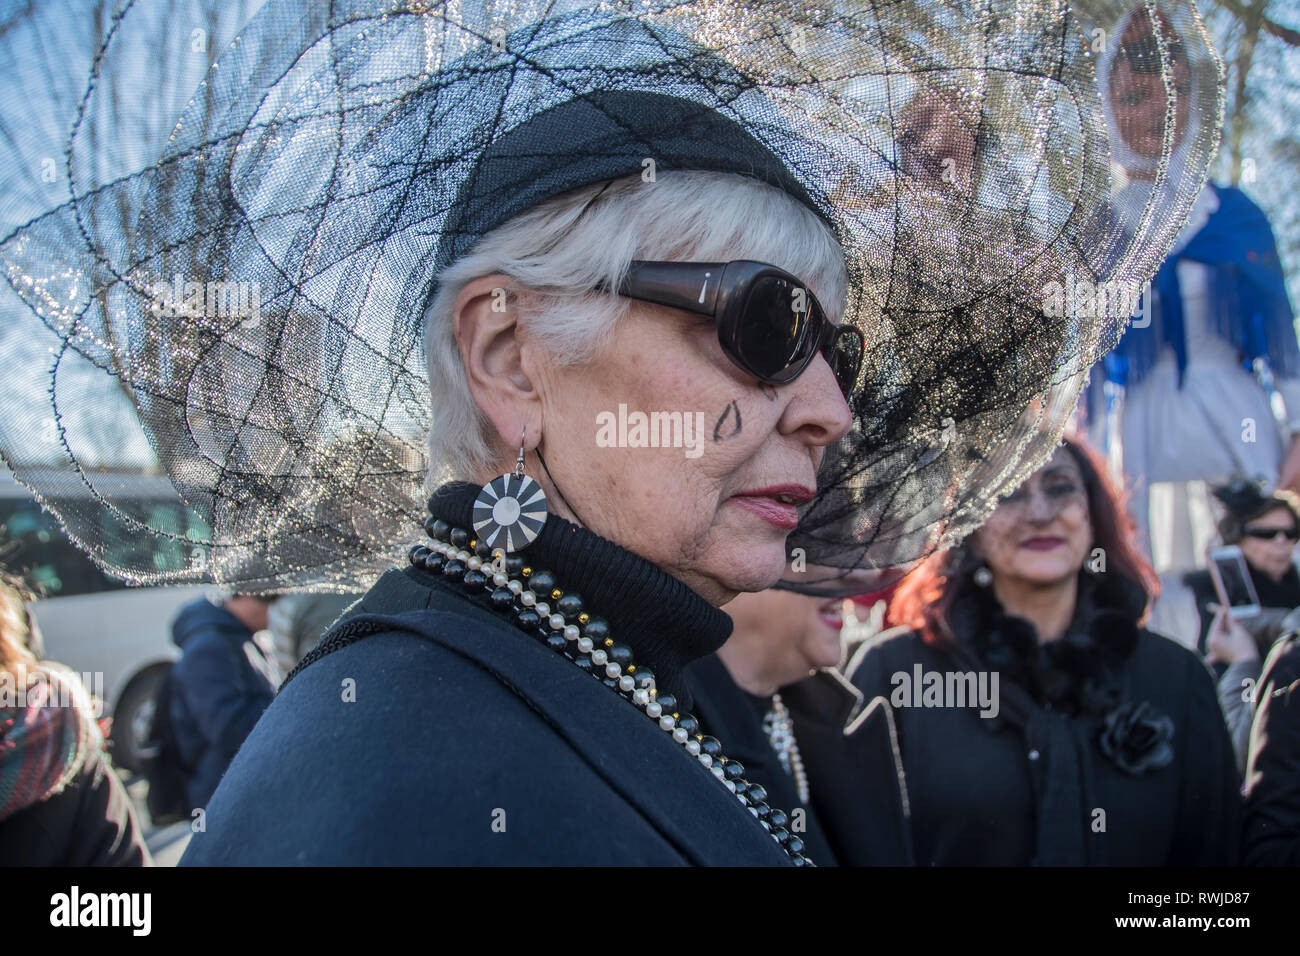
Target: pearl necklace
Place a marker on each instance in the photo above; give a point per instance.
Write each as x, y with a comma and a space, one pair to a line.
525, 595
780, 731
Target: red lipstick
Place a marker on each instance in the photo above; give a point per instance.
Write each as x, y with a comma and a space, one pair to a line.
776, 504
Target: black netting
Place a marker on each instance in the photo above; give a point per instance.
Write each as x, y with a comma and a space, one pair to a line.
338, 154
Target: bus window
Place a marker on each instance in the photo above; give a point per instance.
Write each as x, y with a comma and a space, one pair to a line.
32, 544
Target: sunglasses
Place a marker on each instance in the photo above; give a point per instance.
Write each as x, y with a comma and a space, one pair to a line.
1271, 534
769, 324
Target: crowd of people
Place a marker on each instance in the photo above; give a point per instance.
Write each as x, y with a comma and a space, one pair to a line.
1099, 742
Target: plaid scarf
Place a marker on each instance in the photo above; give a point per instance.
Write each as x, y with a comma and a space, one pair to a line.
46, 734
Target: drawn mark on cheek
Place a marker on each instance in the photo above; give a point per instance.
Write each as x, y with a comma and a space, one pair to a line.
728, 424
768, 391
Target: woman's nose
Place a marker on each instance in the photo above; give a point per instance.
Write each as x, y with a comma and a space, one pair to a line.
819, 407
1040, 509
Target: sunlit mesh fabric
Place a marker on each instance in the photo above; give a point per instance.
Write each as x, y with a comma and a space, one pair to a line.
1003, 178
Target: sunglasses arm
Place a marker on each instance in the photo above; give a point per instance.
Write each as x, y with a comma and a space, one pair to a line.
692, 286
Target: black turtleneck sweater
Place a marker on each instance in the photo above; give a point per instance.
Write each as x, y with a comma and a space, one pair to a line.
666, 624
427, 728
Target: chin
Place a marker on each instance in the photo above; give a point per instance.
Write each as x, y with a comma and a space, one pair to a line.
1045, 576
754, 567
1049, 570
828, 656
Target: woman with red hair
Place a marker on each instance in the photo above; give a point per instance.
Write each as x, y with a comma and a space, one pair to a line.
1039, 721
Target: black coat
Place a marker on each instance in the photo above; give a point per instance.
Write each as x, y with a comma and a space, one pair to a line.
730, 713
89, 823
1272, 814
1033, 783
470, 742
855, 770
856, 814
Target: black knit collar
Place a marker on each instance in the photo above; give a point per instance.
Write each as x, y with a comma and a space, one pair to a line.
1079, 672
664, 622
1283, 593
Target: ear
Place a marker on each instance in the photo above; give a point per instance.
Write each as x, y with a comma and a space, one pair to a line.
485, 319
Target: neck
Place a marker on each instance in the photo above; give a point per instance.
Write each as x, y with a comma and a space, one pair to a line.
1276, 577
747, 672
1049, 607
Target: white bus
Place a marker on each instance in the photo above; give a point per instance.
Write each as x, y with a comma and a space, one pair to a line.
94, 623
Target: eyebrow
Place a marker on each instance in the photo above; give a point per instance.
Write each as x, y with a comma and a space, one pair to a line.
1062, 469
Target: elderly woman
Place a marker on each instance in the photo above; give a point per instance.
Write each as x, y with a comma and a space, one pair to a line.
590, 780
1039, 722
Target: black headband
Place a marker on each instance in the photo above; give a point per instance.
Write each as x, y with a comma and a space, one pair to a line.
602, 136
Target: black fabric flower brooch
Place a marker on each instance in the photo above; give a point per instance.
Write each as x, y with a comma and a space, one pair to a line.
1137, 738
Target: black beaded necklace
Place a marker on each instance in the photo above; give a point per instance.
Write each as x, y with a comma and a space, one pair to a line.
538, 606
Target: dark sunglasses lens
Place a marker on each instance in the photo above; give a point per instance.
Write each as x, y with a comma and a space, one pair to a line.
778, 328
1269, 534
844, 355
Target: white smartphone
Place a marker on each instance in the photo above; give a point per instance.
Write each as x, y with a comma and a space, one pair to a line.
1232, 581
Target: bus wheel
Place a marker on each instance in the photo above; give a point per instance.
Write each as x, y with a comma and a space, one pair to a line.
133, 718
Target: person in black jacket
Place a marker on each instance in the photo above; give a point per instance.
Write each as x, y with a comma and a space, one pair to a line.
223, 682
1039, 722
1272, 811
772, 691
61, 803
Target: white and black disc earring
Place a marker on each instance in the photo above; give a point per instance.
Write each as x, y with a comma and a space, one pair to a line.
511, 509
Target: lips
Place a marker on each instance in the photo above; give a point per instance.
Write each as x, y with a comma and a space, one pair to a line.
832, 615
1042, 543
777, 504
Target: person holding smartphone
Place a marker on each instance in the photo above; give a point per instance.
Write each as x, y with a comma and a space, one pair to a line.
1265, 525
1237, 631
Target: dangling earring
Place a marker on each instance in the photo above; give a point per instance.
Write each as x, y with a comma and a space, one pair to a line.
983, 576
511, 509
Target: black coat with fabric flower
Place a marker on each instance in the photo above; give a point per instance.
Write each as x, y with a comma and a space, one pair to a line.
1107, 746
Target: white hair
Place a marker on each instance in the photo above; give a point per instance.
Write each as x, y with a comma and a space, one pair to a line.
568, 248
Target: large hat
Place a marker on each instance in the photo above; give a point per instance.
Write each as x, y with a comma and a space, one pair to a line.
257, 291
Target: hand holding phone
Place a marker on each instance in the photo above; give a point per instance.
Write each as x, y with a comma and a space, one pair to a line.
1231, 576
1228, 640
